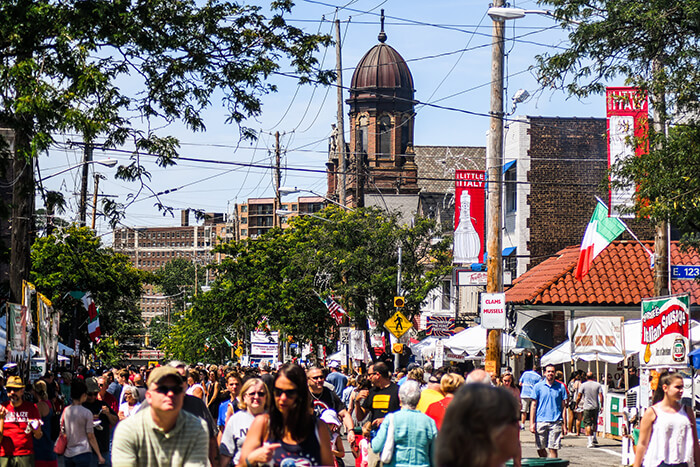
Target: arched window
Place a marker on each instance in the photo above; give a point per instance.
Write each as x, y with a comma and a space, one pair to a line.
361, 134
384, 136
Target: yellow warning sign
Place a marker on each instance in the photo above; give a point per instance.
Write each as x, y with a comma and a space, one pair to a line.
398, 324
239, 352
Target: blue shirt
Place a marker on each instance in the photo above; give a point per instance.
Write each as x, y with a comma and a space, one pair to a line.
527, 383
223, 408
549, 401
338, 380
414, 435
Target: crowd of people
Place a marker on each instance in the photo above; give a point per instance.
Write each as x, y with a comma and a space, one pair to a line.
248, 417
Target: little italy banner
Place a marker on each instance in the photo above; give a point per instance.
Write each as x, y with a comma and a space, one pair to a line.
665, 331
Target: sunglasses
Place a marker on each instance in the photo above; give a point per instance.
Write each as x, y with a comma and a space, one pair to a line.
14, 389
166, 389
316, 378
290, 393
259, 394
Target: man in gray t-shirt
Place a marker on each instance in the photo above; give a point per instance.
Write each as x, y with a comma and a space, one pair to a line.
592, 394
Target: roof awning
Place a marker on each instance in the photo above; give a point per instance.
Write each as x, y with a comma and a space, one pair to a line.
509, 251
508, 165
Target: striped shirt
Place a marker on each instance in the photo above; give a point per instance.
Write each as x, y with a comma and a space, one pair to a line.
139, 441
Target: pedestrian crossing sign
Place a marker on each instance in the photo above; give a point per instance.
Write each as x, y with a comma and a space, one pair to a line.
239, 351
398, 324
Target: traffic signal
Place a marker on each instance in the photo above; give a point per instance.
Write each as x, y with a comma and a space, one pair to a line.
399, 302
397, 348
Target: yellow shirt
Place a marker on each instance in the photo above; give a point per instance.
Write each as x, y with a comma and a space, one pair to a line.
427, 397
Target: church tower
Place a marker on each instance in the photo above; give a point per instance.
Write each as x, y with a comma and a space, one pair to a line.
380, 151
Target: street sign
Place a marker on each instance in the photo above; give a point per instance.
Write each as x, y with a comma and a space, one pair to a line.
684, 272
398, 324
239, 351
493, 310
345, 335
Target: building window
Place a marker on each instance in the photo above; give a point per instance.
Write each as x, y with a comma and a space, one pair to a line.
446, 295
244, 208
244, 232
294, 207
244, 220
384, 135
361, 134
511, 198
404, 134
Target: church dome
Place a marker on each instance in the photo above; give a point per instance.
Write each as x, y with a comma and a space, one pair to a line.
384, 68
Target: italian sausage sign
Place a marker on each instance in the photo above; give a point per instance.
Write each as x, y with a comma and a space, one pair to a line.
665, 331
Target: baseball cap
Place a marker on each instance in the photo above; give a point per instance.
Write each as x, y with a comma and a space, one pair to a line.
14, 382
162, 372
331, 417
334, 364
92, 384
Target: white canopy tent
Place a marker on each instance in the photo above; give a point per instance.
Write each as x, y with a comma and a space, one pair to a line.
633, 345
472, 341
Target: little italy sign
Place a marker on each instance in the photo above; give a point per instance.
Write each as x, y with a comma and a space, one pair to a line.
665, 331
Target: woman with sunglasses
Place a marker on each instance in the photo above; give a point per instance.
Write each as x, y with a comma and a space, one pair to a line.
253, 400
290, 432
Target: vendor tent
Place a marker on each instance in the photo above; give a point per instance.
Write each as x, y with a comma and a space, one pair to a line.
633, 345
472, 341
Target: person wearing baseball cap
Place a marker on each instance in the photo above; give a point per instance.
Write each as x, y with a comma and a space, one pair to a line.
162, 434
19, 422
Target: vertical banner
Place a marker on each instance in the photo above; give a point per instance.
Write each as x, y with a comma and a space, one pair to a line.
628, 116
665, 331
470, 207
17, 335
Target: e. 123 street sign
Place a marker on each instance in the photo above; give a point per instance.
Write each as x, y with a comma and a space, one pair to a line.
684, 272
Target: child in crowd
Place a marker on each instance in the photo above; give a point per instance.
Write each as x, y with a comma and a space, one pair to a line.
331, 418
365, 443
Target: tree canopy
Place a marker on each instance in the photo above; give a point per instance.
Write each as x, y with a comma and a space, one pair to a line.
117, 69
279, 279
74, 259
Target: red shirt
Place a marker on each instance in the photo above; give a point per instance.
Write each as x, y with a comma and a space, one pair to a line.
15, 442
110, 401
436, 410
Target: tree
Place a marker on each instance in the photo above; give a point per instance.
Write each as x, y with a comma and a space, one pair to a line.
63, 66
74, 259
176, 279
279, 279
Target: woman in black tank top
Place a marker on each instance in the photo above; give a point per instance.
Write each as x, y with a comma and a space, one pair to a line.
290, 435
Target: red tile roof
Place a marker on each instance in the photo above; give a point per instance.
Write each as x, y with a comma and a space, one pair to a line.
620, 275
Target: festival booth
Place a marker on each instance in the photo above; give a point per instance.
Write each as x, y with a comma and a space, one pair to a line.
470, 344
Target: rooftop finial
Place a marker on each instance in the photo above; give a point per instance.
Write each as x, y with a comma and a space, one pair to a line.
382, 34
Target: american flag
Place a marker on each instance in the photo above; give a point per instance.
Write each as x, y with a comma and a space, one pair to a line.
335, 309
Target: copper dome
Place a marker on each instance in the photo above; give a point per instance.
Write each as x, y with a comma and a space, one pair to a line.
384, 68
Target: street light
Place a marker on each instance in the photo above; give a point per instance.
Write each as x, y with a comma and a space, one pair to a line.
105, 162
505, 13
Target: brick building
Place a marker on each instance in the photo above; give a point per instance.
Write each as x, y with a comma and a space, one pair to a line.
554, 168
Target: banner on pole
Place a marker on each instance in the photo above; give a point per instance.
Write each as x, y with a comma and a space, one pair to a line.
598, 334
628, 118
470, 213
665, 331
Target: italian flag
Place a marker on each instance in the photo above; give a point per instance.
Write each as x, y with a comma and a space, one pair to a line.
601, 231
93, 315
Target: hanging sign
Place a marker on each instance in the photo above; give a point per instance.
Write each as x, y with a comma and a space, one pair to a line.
665, 331
598, 334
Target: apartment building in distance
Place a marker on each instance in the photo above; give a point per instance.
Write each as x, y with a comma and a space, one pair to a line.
150, 248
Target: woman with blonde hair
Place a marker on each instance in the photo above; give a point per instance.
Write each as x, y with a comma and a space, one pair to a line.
253, 400
667, 434
449, 384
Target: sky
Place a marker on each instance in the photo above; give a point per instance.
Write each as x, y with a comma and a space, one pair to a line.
447, 46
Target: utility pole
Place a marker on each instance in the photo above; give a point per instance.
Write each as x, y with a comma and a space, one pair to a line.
94, 200
87, 156
662, 241
277, 204
494, 164
340, 143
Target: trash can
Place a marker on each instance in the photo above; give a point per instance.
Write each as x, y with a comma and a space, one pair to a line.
541, 462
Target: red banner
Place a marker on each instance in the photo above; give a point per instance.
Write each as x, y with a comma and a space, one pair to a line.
627, 117
470, 207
